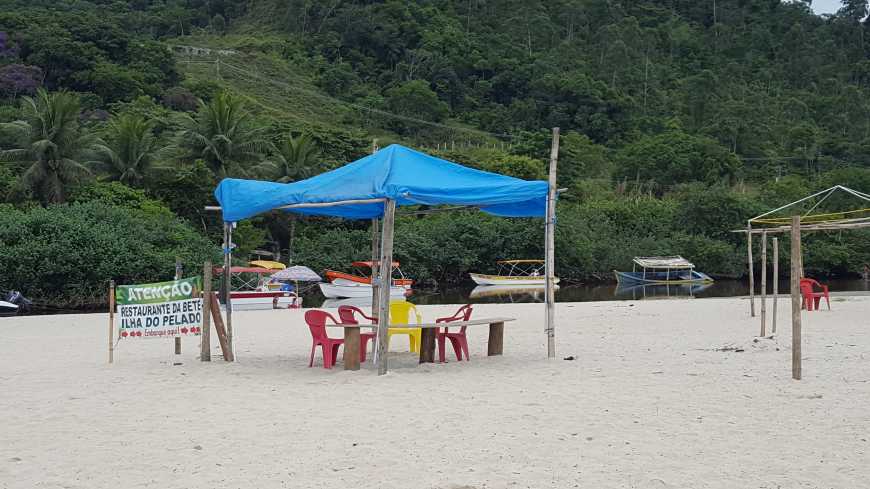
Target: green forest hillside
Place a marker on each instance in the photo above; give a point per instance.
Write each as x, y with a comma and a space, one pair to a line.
680, 119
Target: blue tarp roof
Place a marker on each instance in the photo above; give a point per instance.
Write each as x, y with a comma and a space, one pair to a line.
395, 172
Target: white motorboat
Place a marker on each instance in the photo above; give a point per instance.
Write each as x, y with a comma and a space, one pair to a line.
8, 309
515, 273
340, 288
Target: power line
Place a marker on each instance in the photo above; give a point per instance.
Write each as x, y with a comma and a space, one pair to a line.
287, 86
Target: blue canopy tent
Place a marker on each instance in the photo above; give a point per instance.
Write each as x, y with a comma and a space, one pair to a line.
372, 187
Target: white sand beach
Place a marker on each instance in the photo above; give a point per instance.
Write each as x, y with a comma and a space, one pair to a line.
649, 402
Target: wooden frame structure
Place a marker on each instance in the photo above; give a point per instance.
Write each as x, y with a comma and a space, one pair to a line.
382, 253
795, 224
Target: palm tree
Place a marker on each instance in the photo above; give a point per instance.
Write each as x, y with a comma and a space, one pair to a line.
223, 135
130, 151
51, 143
295, 158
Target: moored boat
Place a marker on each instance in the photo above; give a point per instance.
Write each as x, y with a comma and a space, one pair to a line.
260, 292
364, 274
514, 273
340, 289
662, 270
8, 309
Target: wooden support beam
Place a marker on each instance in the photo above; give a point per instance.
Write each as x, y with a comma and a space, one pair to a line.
751, 271
207, 299
550, 248
795, 298
385, 273
219, 329
763, 284
775, 283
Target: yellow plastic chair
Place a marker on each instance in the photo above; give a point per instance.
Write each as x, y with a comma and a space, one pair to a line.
400, 313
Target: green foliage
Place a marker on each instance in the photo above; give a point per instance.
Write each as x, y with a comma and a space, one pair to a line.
247, 237
66, 254
224, 135
295, 158
414, 100
50, 143
118, 195
676, 157
129, 154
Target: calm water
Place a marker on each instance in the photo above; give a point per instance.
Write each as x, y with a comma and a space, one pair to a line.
566, 293
582, 293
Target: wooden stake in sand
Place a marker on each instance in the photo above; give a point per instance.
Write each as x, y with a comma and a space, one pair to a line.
219, 329
205, 337
795, 297
111, 321
764, 283
775, 283
550, 247
178, 272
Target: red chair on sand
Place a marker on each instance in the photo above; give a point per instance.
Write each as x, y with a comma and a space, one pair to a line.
347, 314
458, 340
811, 298
317, 324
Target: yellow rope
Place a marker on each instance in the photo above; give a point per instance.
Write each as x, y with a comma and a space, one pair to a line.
815, 218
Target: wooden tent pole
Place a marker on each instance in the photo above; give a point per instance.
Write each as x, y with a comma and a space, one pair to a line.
751, 272
205, 336
550, 247
376, 258
764, 283
795, 298
385, 273
376, 255
228, 263
775, 283
178, 273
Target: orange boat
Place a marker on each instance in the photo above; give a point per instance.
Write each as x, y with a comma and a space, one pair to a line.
364, 277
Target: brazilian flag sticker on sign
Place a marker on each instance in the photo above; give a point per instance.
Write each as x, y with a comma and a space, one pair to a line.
165, 309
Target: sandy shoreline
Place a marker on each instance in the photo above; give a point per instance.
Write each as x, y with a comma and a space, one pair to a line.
649, 403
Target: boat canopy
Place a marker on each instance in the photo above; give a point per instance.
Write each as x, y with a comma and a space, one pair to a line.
664, 262
272, 265
358, 190
261, 270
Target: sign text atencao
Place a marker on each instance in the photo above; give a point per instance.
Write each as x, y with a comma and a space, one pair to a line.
161, 310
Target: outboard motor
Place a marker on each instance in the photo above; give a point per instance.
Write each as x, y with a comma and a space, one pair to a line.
15, 297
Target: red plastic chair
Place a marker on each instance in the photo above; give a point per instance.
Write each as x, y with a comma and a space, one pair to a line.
347, 314
458, 340
317, 324
811, 298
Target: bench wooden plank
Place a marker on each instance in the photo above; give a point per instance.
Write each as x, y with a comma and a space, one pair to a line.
455, 324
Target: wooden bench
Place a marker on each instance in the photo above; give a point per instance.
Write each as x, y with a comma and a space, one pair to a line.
427, 340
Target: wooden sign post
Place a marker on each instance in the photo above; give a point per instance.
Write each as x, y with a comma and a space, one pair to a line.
178, 272
796, 297
111, 321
